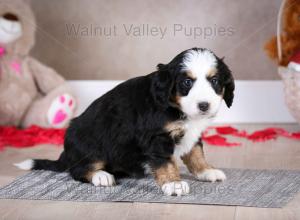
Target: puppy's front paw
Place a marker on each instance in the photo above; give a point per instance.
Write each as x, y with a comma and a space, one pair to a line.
102, 178
211, 175
176, 188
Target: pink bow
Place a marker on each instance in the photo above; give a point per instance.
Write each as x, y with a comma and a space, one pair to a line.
2, 51
15, 65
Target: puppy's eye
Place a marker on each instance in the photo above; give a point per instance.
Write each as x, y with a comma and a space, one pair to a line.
187, 83
214, 81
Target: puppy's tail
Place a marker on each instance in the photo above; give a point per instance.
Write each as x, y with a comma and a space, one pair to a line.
53, 165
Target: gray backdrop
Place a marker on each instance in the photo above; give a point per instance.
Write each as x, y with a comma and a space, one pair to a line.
98, 39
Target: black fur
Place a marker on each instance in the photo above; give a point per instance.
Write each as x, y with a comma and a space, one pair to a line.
226, 81
125, 127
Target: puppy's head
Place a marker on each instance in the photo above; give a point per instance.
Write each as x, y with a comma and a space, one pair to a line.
196, 81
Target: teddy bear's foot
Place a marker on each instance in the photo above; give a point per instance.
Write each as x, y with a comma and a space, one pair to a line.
61, 111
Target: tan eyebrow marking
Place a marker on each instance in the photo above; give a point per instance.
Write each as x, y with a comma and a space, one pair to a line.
212, 72
191, 75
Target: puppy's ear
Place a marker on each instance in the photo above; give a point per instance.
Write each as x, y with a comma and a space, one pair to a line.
161, 67
229, 85
162, 84
228, 93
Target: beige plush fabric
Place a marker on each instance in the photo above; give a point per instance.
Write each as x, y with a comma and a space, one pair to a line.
21, 91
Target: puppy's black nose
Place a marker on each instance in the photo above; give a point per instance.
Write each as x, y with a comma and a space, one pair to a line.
203, 106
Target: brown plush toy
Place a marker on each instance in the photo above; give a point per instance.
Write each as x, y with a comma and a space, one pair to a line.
30, 92
290, 38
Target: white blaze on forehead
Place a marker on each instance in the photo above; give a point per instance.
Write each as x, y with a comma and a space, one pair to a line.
199, 62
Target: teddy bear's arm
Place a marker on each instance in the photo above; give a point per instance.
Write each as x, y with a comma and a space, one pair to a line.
46, 78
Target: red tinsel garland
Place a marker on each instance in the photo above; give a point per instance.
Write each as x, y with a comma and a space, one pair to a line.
34, 135
29, 137
257, 136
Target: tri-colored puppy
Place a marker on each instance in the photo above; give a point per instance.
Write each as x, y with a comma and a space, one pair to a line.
149, 122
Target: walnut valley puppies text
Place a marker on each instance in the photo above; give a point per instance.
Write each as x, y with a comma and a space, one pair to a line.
148, 30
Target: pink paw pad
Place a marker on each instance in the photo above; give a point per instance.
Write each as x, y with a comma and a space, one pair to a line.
62, 99
59, 117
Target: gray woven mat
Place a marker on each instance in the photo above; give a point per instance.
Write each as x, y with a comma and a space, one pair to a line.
258, 188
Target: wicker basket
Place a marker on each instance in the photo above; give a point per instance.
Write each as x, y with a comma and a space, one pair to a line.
290, 78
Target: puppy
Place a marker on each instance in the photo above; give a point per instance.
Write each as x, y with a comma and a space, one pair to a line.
148, 122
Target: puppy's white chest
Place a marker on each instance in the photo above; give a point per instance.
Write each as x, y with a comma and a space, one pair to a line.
193, 130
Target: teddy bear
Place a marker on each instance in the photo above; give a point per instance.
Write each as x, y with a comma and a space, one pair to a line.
290, 37
30, 92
